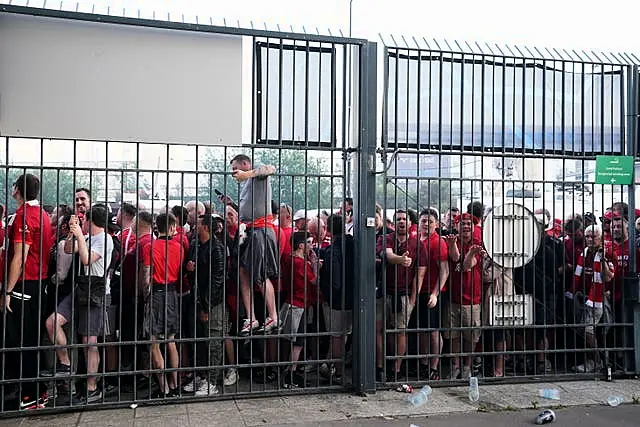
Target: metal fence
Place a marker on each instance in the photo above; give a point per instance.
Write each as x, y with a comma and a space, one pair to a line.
490, 187
381, 279
222, 302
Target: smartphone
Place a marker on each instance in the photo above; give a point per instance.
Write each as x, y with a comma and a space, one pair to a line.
218, 192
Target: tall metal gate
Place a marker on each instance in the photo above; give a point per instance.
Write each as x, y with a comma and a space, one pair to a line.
490, 174
139, 117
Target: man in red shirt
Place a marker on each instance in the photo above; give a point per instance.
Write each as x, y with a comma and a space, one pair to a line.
618, 252
131, 297
477, 210
181, 215
465, 266
159, 275
299, 272
400, 252
433, 272
318, 230
27, 258
284, 229
126, 215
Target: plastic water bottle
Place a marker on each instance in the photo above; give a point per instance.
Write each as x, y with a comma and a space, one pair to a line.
549, 393
614, 400
545, 417
421, 397
474, 391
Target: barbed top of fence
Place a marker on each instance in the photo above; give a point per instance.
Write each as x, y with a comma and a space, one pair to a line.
163, 19
465, 47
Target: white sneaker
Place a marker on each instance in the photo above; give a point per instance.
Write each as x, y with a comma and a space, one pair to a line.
230, 377
206, 389
455, 372
193, 385
466, 372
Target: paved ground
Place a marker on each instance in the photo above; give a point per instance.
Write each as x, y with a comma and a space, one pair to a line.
589, 416
499, 405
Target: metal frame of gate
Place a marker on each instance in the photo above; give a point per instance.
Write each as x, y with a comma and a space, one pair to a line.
328, 80
488, 124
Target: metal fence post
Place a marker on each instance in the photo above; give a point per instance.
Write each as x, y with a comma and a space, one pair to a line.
632, 122
364, 315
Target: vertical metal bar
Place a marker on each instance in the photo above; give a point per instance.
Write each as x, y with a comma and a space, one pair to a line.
385, 147
631, 141
364, 308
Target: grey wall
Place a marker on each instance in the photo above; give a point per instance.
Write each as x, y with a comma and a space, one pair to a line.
78, 80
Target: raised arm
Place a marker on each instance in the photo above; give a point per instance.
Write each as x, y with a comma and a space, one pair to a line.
263, 171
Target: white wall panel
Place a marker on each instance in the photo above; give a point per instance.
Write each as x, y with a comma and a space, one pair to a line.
79, 80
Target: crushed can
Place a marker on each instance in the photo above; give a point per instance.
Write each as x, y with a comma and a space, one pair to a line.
404, 388
545, 417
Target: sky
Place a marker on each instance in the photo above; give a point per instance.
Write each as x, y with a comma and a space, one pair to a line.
569, 24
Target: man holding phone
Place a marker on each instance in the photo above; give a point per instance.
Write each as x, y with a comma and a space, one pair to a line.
94, 248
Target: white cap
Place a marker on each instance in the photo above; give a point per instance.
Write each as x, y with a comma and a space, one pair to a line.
300, 214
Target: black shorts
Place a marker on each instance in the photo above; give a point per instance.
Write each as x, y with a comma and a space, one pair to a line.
161, 312
259, 255
544, 313
427, 318
88, 321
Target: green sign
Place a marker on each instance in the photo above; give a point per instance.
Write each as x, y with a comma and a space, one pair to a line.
614, 170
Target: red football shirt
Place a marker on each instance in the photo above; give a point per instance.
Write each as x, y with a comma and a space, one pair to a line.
399, 277
284, 234
618, 253
297, 278
129, 266
31, 225
477, 234
433, 250
163, 256
466, 286
127, 240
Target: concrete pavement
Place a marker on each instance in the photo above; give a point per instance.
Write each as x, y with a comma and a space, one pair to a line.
576, 416
382, 408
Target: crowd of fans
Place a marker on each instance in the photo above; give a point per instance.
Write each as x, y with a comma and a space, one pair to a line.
178, 298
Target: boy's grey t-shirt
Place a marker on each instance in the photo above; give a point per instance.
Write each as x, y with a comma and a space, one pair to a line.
255, 199
97, 245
